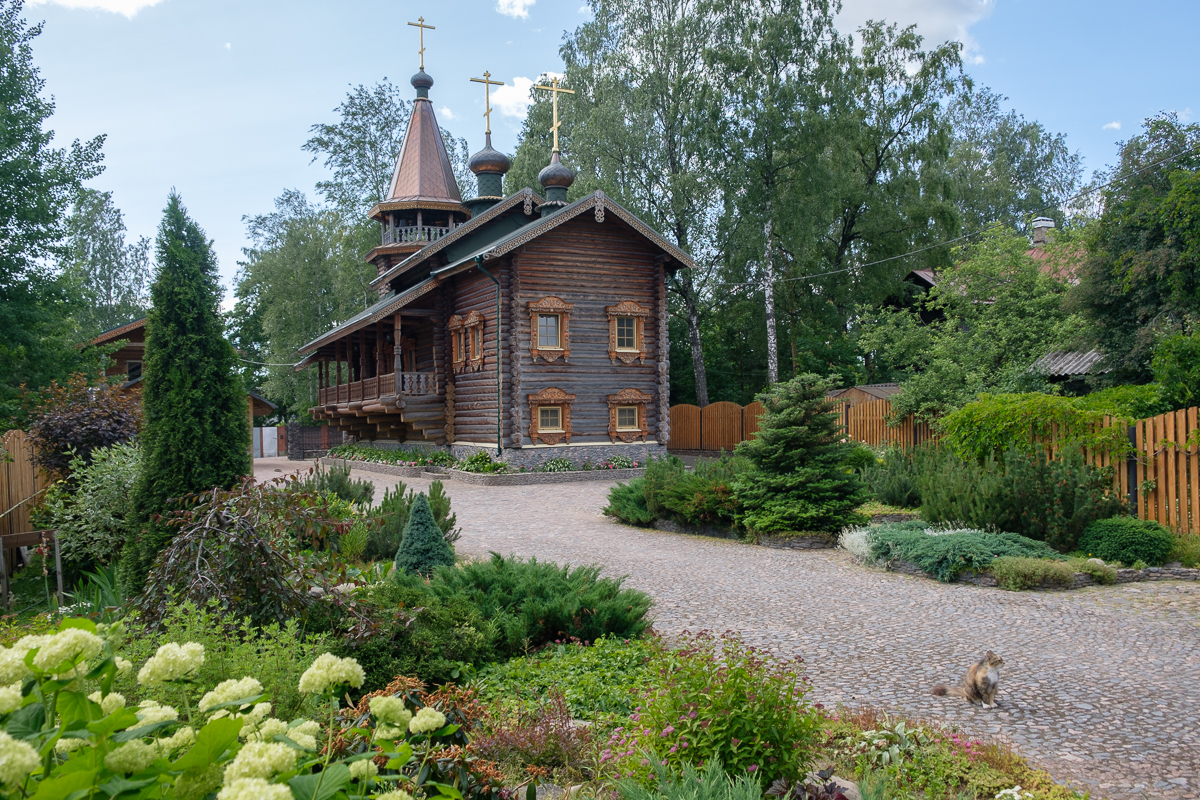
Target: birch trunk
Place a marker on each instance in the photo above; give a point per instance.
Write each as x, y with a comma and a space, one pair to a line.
769, 292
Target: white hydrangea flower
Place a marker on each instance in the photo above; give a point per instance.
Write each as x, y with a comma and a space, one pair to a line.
427, 720
17, 760
268, 730
123, 666
68, 645
133, 756
386, 732
329, 671
65, 746
260, 760
12, 666
10, 698
172, 662
109, 703
363, 770
254, 789
395, 794
391, 710
228, 691
250, 720
150, 712
184, 737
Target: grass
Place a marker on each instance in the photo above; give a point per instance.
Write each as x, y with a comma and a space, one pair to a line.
874, 508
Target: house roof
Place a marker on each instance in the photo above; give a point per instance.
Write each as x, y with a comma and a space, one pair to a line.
119, 332
881, 390
389, 304
423, 172
1067, 363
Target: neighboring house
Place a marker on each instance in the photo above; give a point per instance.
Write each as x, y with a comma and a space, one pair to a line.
866, 393
127, 361
1069, 369
525, 325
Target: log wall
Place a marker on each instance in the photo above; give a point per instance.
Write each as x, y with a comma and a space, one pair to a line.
475, 390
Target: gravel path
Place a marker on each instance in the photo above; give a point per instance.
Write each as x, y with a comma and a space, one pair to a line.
1097, 683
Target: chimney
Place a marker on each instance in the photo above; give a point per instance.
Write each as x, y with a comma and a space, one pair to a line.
1041, 231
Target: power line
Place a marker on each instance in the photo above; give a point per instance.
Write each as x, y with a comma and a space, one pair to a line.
264, 364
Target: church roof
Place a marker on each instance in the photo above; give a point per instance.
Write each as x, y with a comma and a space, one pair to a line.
423, 172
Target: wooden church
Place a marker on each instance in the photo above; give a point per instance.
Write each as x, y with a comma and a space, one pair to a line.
525, 325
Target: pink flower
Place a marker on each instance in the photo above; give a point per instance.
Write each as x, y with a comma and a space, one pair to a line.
752, 768
692, 715
667, 731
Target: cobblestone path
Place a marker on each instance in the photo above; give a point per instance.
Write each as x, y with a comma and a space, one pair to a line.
1099, 685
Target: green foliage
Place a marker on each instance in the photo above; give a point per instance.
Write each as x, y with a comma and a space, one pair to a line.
277, 654
557, 465
531, 603
1128, 402
895, 479
719, 700
711, 782
706, 495
406, 458
627, 502
423, 546
1177, 368
39, 182
68, 422
798, 480
1128, 539
196, 435
946, 554
1051, 500
605, 677
93, 515
481, 461
1019, 573
394, 511
336, 480
1186, 551
861, 456
1101, 573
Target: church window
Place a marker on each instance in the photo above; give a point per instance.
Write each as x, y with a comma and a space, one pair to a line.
627, 418
627, 415
548, 332
627, 332
550, 329
459, 342
550, 416
550, 419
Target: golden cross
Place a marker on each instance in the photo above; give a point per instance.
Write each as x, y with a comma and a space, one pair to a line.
556, 89
488, 83
420, 23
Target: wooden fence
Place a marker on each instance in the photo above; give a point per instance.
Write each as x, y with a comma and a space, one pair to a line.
20, 481
867, 423
717, 426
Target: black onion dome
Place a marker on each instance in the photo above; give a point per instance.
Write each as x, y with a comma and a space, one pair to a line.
489, 159
556, 174
422, 81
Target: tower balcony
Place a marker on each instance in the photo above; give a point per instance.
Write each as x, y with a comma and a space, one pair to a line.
418, 234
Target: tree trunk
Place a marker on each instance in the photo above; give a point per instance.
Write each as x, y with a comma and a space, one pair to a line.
769, 292
684, 287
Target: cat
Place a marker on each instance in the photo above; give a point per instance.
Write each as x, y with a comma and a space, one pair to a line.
983, 678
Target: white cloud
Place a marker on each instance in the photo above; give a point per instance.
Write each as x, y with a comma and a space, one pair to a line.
936, 20
517, 9
585, 9
126, 7
1115, 125
1186, 114
228, 46
446, 112
513, 100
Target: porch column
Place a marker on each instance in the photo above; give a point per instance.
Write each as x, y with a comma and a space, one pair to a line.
338, 359
398, 354
362, 354
379, 348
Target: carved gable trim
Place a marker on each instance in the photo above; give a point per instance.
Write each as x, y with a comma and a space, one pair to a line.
626, 398
627, 308
550, 305
550, 396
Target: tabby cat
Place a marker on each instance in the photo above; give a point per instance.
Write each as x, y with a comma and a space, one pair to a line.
983, 678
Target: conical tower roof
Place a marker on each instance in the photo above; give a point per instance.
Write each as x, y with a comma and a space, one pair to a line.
423, 172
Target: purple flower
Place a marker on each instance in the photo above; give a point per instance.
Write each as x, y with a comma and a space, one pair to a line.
667, 731
752, 768
692, 715
673, 750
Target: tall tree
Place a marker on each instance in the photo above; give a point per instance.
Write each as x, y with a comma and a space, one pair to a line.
37, 184
113, 277
1140, 281
196, 433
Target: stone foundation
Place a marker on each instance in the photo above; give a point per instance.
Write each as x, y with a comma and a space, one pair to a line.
533, 457
813, 542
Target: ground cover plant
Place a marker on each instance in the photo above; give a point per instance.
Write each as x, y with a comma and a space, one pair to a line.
68, 422
1128, 540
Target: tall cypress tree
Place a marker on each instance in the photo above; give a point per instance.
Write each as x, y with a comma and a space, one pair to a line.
196, 433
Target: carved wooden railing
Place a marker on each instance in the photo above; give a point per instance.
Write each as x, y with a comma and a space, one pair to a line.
411, 383
414, 233
414, 383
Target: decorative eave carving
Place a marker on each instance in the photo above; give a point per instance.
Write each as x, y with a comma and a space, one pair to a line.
628, 397
550, 396
550, 305
627, 308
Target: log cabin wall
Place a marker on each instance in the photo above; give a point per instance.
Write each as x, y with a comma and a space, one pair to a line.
592, 265
475, 389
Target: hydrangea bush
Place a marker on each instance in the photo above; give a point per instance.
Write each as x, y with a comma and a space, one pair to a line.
65, 733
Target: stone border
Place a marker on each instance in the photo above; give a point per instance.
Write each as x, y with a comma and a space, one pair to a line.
1079, 581
711, 531
816, 542
489, 478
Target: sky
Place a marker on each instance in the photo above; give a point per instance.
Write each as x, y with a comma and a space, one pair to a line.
215, 98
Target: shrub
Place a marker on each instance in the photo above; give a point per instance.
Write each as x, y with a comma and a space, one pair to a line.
557, 465
530, 603
409, 458
394, 511
1102, 574
627, 502
68, 422
859, 456
705, 496
481, 461
945, 554
661, 474
336, 480
1176, 367
1018, 573
617, 462
540, 736
711, 782
1186, 551
798, 479
1051, 500
93, 515
719, 700
894, 479
602, 678
423, 547
1127, 539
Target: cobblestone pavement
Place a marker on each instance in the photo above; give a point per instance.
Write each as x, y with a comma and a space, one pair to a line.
1097, 686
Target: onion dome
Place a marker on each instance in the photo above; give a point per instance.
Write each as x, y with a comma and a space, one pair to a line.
422, 83
557, 175
489, 160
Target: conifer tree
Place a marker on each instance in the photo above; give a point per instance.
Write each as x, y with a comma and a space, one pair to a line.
424, 546
196, 432
800, 480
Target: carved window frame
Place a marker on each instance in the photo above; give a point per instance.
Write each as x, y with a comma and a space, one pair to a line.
556, 306
627, 308
550, 396
473, 331
625, 398
458, 342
